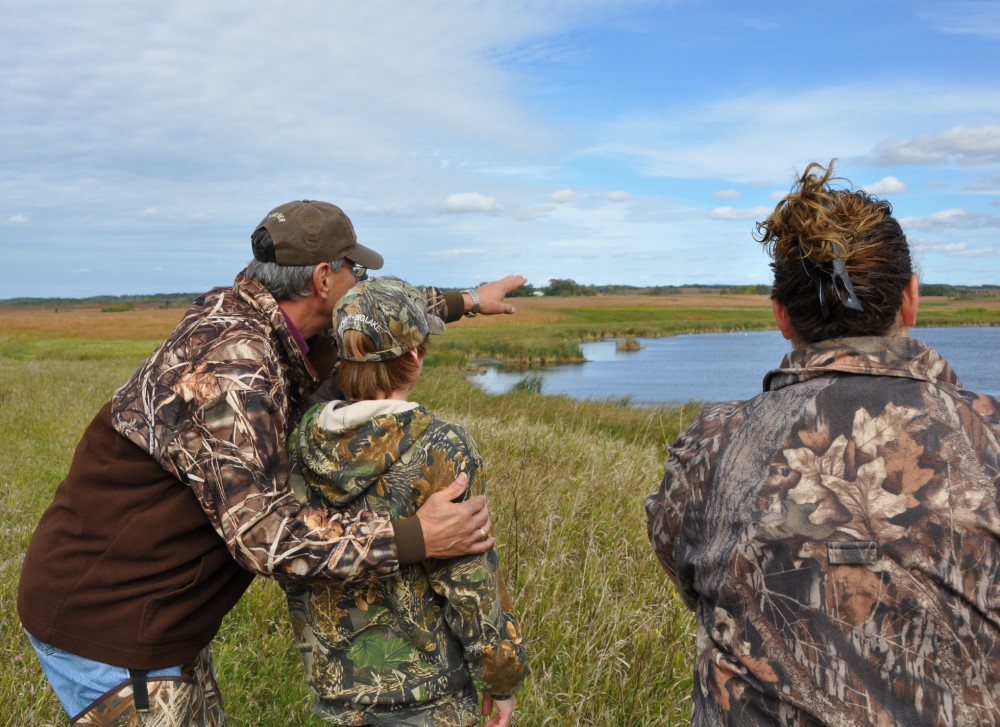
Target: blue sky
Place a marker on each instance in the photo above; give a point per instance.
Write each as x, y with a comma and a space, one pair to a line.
614, 141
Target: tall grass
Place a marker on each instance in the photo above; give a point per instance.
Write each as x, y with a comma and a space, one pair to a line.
609, 642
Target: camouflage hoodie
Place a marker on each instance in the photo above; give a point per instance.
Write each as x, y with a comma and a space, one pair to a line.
838, 538
416, 635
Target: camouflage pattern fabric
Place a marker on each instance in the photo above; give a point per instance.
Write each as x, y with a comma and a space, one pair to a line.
189, 701
391, 312
838, 538
212, 406
412, 638
436, 303
452, 711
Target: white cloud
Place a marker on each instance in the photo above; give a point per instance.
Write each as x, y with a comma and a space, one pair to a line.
17, 220
387, 109
614, 196
976, 18
532, 213
958, 249
458, 253
466, 202
952, 219
150, 212
768, 136
382, 210
959, 144
734, 213
728, 194
563, 196
886, 185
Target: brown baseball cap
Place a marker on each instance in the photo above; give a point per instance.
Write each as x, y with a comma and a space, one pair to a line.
306, 232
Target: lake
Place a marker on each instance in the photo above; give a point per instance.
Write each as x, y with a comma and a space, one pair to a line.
724, 366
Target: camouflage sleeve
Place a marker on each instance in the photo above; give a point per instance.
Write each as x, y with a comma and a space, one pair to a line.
479, 609
687, 472
234, 459
436, 303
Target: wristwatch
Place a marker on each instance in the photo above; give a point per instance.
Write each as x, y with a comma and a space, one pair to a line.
475, 303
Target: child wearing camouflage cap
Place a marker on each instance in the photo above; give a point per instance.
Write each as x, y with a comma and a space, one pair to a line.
402, 650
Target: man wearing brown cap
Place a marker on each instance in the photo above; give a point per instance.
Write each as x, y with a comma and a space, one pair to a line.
177, 494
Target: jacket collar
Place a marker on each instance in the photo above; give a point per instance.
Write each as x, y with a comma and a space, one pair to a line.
898, 356
300, 370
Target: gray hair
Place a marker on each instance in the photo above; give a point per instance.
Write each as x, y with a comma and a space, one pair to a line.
286, 282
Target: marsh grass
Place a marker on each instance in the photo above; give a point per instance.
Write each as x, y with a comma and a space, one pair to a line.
609, 642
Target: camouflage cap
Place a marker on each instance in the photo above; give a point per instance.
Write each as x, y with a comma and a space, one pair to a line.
391, 312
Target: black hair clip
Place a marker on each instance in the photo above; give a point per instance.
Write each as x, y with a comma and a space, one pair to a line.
840, 281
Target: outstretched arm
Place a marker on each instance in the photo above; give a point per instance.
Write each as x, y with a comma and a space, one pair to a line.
451, 305
492, 295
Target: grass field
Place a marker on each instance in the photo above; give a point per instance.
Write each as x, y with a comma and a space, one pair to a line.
610, 643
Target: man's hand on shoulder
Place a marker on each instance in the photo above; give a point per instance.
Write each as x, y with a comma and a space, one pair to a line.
452, 529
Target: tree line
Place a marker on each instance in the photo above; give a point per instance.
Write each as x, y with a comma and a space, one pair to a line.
558, 287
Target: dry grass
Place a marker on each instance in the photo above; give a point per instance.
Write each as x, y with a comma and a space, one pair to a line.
88, 322
609, 641
151, 322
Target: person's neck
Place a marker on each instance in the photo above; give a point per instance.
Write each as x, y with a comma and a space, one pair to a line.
304, 315
402, 394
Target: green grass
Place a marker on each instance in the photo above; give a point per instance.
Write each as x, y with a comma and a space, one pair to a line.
935, 315
609, 642
540, 344
45, 348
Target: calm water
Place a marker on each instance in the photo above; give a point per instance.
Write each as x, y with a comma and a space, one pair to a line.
724, 366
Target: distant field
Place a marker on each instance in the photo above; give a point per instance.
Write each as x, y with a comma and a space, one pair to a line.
150, 322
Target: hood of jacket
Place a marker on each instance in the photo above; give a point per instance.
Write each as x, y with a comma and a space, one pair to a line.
343, 448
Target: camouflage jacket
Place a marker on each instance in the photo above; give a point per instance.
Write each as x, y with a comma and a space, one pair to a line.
212, 405
416, 635
838, 538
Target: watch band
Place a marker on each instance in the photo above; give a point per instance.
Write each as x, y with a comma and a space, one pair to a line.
474, 311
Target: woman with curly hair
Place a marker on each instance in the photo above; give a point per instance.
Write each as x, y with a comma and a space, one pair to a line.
838, 536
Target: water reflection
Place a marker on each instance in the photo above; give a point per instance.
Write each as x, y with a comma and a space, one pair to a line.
723, 366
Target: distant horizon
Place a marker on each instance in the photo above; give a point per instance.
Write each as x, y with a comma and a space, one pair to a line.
193, 294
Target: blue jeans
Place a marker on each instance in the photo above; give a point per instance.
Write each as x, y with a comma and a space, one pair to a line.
79, 681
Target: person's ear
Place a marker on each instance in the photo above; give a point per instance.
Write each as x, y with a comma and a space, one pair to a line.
321, 280
780, 311
911, 299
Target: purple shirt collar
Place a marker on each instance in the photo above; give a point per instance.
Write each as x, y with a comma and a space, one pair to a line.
296, 334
